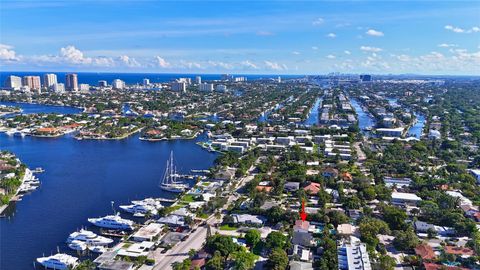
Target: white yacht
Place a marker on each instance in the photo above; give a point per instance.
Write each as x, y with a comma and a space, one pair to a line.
169, 181
77, 245
148, 205
59, 261
97, 249
90, 238
112, 222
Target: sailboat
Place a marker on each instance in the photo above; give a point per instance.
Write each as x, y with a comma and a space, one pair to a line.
169, 181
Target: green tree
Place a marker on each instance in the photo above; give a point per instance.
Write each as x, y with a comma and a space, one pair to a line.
405, 240
278, 259
252, 237
216, 262
276, 240
222, 243
86, 265
385, 262
243, 260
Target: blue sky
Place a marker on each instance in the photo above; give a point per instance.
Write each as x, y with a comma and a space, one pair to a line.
284, 37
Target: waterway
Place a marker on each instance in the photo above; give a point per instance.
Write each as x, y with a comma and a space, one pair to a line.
312, 118
81, 179
364, 119
28, 108
417, 129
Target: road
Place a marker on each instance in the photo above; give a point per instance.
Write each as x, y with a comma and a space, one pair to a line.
179, 252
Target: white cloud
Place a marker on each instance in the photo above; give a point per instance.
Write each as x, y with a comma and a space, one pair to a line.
128, 61
446, 45
249, 64
331, 56
314, 48
331, 35
318, 21
74, 55
459, 30
347, 52
161, 62
7, 53
190, 65
296, 53
370, 49
220, 64
275, 66
374, 33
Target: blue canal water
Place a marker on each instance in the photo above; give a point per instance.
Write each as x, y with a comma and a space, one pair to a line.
28, 108
364, 119
417, 129
81, 179
312, 118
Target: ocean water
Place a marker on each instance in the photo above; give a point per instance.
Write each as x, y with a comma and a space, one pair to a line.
81, 179
133, 78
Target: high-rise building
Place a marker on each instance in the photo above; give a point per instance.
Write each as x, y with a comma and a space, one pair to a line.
49, 80
179, 86
146, 82
185, 80
59, 88
33, 82
71, 82
118, 84
102, 83
205, 87
366, 78
13, 82
198, 80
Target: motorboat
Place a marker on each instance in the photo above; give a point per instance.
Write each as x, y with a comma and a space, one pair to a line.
112, 222
90, 238
97, 249
77, 245
59, 261
148, 205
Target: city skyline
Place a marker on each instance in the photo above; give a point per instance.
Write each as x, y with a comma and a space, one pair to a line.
266, 37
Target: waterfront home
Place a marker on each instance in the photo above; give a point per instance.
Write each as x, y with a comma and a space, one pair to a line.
390, 132
116, 265
172, 221
148, 232
136, 249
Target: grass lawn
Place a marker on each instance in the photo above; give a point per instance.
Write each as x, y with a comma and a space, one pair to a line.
202, 215
227, 227
188, 198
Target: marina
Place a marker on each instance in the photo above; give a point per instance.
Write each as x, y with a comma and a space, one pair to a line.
85, 176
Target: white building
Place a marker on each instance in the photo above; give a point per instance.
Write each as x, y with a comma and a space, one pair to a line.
49, 80
146, 82
198, 80
401, 198
59, 88
84, 87
13, 82
353, 257
179, 86
102, 83
205, 87
476, 174
221, 88
390, 132
118, 84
